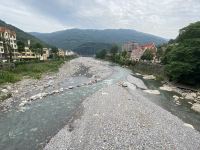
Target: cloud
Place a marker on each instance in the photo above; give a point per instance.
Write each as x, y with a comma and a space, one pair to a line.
163, 18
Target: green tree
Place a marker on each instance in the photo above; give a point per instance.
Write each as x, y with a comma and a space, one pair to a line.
20, 46
101, 54
182, 60
54, 52
148, 55
37, 48
114, 50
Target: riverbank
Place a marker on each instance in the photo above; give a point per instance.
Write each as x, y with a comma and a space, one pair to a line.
120, 116
30, 89
183, 92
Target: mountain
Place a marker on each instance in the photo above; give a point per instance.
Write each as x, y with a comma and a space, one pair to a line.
90, 48
75, 39
21, 35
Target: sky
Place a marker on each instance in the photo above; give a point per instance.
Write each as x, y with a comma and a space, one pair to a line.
159, 17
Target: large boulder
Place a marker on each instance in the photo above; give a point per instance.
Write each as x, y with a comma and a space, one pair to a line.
149, 77
190, 96
156, 92
196, 107
136, 81
166, 88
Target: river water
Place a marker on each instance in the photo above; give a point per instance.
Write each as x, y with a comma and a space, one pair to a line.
32, 126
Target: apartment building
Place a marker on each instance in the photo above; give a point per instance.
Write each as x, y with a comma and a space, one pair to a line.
7, 41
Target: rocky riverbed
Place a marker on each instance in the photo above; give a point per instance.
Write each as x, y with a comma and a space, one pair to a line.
120, 117
28, 90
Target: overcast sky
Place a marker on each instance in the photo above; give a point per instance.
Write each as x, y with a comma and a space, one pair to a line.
159, 17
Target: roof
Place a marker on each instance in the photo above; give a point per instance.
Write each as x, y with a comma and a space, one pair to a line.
4, 29
148, 46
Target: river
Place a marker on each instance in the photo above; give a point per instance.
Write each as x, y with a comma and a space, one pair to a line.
32, 127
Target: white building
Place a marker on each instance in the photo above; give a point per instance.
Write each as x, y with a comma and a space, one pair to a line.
69, 53
7, 37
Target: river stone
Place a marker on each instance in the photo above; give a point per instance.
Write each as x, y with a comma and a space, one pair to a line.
138, 74
23, 103
136, 81
190, 96
9, 87
61, 89
130, 85
188, 125
70, 87
4, 90
196, 107
176, 97
124, 84
38, 96
166, 88
156, 92
149, 77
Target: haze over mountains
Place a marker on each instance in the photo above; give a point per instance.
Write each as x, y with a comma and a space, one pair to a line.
88, 41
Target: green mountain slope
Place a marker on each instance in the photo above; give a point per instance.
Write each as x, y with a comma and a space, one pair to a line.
91, 48
21, 35
75, 38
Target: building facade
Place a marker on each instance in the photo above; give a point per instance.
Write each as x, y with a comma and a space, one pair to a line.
7, 41
61, 52
69, 53
129, 46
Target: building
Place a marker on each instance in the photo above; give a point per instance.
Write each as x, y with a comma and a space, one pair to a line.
129, 46
137, 53
27, 54
45, 55
61, 52
7, 41
69, 53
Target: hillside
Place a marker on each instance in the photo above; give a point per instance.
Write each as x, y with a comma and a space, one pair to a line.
73, 38
21, 35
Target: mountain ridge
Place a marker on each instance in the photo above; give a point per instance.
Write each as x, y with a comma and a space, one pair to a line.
73, 38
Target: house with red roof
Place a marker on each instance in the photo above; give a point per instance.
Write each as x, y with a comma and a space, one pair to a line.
137, 52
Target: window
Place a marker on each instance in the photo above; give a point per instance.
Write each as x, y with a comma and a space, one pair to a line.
1, 50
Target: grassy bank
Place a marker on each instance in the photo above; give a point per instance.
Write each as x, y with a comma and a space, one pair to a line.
33, 69
149, 68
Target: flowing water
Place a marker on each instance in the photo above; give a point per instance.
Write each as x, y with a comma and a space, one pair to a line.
32, 126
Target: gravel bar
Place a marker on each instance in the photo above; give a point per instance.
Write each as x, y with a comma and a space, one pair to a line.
120, 119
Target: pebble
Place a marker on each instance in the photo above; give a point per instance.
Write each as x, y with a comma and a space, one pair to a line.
4, 90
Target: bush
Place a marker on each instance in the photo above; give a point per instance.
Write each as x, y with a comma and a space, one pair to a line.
6, 76
31, 69
101, 54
